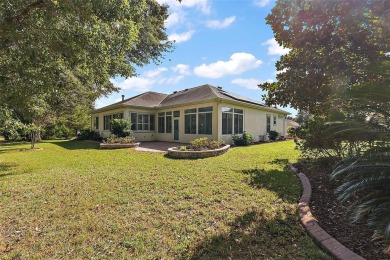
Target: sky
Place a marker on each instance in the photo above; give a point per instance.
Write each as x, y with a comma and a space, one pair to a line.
224, 43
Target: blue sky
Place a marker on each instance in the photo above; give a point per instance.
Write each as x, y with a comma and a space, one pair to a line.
219, 42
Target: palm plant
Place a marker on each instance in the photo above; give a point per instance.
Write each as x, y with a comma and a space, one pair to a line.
366, 182
365, 176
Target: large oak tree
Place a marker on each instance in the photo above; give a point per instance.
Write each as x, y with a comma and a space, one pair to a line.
333, 45
61, 54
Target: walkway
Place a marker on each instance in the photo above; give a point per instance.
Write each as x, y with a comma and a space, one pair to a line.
157, 147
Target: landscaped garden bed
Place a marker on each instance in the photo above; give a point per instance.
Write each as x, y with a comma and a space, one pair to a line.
333, 216
199, 148
175, 152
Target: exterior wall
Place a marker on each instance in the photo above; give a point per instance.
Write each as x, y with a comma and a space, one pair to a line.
255, 122
186, 138
141, 135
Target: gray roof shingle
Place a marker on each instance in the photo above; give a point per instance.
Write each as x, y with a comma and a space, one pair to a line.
201, 93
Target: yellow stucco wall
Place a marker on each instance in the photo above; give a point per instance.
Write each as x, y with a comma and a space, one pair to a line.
254, 122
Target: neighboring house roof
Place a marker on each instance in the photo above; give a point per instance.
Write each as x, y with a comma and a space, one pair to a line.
291, 123
190, 95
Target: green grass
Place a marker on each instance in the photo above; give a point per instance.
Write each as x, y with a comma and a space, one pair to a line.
72, 200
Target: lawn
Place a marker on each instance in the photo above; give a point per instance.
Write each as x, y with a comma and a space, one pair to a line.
72, 200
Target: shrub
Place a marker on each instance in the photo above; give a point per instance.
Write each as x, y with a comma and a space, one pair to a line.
199, 144
204, 144
13, 129
273, 135
242, 140
121, 127
113, 139
88, 135
55, 131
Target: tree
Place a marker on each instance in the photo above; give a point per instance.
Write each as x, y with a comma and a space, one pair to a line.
63, 53
332, 43
338, 69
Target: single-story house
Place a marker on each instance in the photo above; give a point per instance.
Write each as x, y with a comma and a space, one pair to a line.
204, 111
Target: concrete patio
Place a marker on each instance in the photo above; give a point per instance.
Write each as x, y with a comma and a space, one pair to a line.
157, 147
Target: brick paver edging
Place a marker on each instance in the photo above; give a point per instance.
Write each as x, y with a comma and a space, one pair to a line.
320, 236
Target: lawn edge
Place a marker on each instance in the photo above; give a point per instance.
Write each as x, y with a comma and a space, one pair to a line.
319, 235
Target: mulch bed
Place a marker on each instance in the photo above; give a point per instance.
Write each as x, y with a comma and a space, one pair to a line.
333, 217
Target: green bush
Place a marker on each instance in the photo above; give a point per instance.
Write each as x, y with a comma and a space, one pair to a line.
242, 140
120, 127
88, 135
57, 131
273, 135
113, 139
13, 129
204, 144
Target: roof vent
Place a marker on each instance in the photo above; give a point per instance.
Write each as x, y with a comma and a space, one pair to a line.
174, 92
219, 87
123, 97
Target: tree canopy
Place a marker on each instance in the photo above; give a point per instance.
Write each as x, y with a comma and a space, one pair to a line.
58, 55
332, 46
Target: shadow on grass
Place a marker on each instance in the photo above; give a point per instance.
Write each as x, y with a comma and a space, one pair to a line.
76, 145
274, 180
255, 235
5, 169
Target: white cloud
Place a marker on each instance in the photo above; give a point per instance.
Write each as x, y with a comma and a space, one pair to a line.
274, 48
238, 63
153, 77
154, 73
203, 5
217, 24
173, 19
137, 84
183, 69
262, 3
174, 80
250, 83
183, 37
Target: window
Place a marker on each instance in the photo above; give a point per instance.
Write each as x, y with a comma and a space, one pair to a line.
232, 119
205, 120
117, 116
190, 121
142, 122
151, 122
96, 123
165, 122
161, 122
169, 122
133, 119
107, 122
176, 113
268, 123
274, 120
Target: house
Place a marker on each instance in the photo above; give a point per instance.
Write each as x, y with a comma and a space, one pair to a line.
204, 111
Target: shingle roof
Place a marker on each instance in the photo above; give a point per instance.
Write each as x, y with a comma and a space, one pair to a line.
191, 95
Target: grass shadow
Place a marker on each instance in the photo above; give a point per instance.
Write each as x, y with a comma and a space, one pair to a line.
76, 145
5, 169
273, 180
254, 236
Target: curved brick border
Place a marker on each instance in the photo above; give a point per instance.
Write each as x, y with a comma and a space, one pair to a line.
320, 236
174, 152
